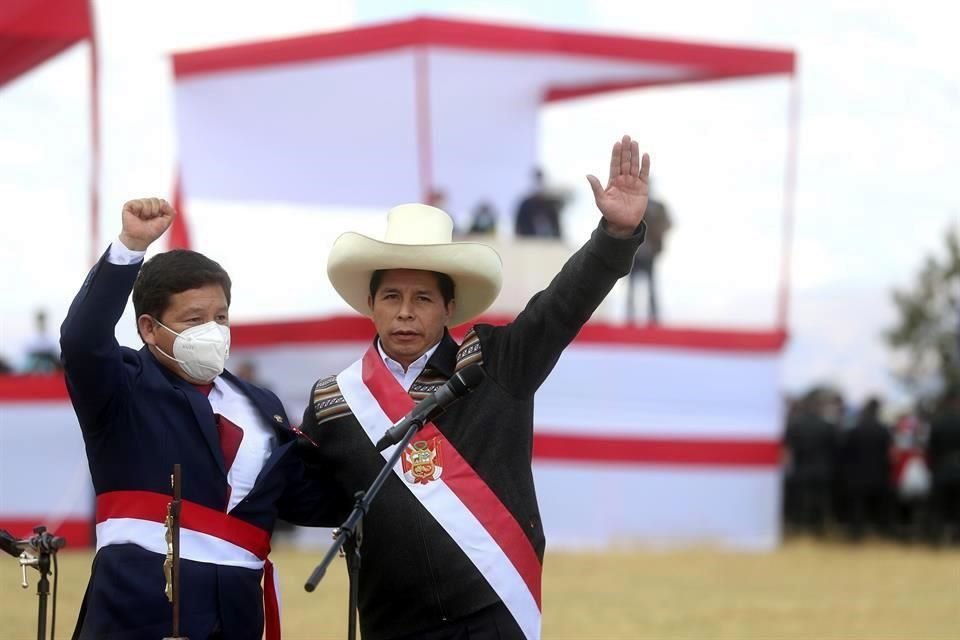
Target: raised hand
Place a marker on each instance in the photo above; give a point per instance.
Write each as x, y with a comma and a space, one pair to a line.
624, 200
144, 221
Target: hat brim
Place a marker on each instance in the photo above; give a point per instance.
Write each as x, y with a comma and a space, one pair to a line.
476, 270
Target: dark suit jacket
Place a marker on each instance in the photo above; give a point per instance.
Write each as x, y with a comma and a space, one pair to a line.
138, 419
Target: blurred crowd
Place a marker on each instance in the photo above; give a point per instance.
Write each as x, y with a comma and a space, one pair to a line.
853, 473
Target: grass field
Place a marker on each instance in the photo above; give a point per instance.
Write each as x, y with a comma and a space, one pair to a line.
804, 590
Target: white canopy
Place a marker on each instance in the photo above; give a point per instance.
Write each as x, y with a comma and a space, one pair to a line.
381, 115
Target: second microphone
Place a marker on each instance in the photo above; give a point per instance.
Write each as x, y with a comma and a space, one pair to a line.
433, 405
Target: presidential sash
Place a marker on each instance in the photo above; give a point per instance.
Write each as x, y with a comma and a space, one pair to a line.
450, 490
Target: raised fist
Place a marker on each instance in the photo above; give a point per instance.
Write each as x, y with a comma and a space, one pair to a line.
144, 221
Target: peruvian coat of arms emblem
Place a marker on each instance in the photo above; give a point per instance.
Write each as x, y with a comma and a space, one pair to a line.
422, 461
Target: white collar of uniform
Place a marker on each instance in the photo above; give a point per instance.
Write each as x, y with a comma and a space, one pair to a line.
406, 377
224, 393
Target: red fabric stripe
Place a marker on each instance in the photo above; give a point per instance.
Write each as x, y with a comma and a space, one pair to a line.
77, 531
147, 505
356, 328
560, 93
459, 476
230, 438
32, 31
271, 604
331, 329
710, 60
723, 453
424, 124
33, 388
178, 236
39, 19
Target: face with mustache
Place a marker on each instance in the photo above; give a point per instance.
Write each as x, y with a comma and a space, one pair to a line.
410, 313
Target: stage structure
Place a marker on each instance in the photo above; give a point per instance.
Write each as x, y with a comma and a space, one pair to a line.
311, 120
643, 436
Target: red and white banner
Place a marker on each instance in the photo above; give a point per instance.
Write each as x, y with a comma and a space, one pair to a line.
657, 436
44, 477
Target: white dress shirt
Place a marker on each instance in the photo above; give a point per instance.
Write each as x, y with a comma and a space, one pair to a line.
256, 445
121, 255
406, 377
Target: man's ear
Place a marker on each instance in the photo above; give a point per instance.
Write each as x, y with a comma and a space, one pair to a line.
370, 302
451, 307
147, 329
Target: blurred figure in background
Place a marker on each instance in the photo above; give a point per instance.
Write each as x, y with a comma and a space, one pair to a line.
42, 353
865, 458
943, 452
5, 368
247, 371
810, 442
539, 213
910, 474
484, 220
658, 223
791, 407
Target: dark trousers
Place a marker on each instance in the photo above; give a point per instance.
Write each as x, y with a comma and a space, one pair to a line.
491, 623
813, 503
945, 511
868, 506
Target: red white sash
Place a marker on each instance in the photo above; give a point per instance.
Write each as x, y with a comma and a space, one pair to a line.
206, 535
458, 499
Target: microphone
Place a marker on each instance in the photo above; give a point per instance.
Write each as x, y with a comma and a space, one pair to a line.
44, 541
41, 542
433, 405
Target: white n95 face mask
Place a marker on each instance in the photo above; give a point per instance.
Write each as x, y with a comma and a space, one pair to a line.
200, 351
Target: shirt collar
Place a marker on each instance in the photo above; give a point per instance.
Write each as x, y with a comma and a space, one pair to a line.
419, 363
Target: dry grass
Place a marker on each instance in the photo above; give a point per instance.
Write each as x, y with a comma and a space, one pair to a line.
805, 590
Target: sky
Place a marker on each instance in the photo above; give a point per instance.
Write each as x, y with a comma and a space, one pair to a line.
878, 134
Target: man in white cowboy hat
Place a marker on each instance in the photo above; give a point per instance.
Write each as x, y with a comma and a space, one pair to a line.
453, 544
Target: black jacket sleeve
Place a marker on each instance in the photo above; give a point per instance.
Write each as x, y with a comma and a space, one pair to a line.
524, 352
96, 371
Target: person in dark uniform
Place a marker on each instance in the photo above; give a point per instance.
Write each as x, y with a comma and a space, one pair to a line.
811, 443
658, 224
172, 402
453, 544
865, 469
539, 213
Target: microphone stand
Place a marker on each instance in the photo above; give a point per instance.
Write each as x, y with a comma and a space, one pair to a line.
45, 545
349, 535
42, 564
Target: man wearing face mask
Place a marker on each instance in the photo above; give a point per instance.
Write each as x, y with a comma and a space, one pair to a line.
170, 403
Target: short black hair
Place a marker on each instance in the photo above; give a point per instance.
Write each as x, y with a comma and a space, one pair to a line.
444, 282
166, 274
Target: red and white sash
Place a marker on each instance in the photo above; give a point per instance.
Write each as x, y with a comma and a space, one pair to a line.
206, 535
455, 496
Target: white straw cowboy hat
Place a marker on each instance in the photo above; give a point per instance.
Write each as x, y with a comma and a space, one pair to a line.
418, 237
